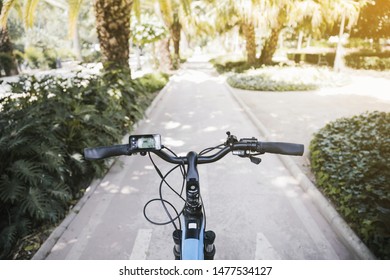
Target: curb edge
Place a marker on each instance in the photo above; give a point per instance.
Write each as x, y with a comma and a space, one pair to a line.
338, 224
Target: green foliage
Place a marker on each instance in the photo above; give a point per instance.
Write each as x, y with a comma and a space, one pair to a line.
6, 63
44, 127
34, 57
350, 158
223, 65
154, 81
369, 60
38, 58
279, 78
145, 33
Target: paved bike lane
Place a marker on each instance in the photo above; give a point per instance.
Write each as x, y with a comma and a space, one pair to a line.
257, 211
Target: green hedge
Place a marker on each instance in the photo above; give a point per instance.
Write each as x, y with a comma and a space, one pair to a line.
326, 57
279, 78
350, 158
44, 127
369, 60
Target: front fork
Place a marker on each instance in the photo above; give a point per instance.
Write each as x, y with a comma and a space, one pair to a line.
208, 250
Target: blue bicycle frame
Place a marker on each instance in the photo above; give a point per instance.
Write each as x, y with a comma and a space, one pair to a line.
191, 243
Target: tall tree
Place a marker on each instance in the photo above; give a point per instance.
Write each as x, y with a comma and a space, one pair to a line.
112, 24
277, 19
345, 12
6, 48
113, 29
172, 13
239, 13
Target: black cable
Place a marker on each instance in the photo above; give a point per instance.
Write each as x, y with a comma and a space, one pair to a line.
162, 223
162, 200
180, 195
208, 150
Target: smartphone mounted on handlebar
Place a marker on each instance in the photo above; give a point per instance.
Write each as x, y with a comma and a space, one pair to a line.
144, 143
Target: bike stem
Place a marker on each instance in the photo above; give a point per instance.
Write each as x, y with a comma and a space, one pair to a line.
194, 220
193, 203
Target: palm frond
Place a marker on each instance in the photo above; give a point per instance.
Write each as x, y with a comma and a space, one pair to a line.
137, 9
7, 6
29, 11
166, 12
74, 10
186, 6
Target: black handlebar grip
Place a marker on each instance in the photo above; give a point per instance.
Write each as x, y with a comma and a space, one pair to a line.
281, 148
105, 152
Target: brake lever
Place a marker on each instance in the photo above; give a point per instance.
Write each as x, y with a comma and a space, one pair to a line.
231, 139
255, 160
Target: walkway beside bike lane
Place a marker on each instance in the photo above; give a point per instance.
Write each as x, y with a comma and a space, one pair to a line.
257, 212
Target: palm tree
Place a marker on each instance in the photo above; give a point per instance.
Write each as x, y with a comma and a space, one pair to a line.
232, 13
277, 16
113, 29
173, 13
6, 49
308, 20
112, 24
347, 13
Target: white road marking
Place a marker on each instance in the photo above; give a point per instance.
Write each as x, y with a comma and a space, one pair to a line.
313, 230
84, 237
264, 249
141, 245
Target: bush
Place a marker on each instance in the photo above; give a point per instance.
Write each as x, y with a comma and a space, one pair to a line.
154, 81
313, 58
34, 57
350, 160
286, 79
368, 60
44, 127
6, 63
224, 64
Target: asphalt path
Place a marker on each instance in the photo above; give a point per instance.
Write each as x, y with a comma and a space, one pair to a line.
257, 211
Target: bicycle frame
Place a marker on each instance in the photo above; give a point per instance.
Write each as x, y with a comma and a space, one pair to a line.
190, 241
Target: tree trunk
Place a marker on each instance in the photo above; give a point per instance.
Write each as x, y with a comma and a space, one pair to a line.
113, 30
250, 37
270, 47
176, 35
7, 60
300, 40
338, 61
165, 55
76, 43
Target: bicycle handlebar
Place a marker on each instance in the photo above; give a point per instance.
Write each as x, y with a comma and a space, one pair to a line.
242, 145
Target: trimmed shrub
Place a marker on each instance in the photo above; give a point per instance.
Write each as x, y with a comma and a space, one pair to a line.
286, 79
369, 60
224, 64
153, 81
350, 158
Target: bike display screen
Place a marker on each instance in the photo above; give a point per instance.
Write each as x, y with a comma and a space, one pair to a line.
148, 142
